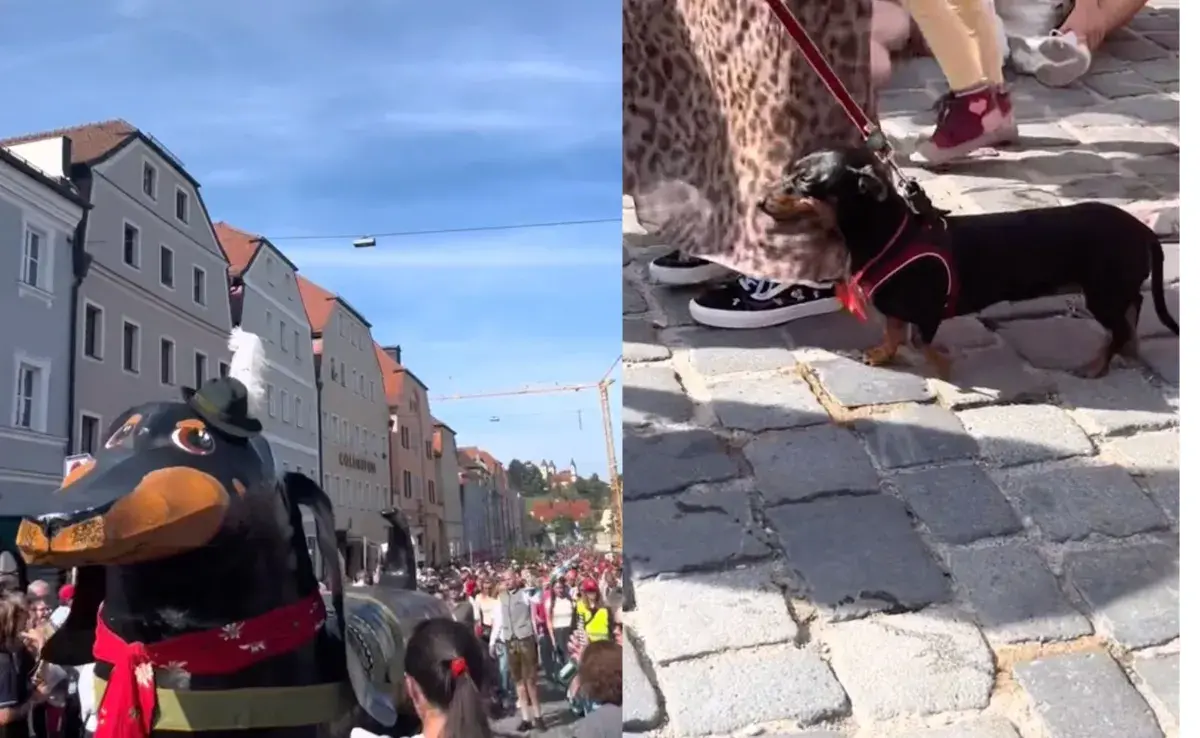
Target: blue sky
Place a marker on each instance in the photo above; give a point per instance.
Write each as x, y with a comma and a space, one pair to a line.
318, 118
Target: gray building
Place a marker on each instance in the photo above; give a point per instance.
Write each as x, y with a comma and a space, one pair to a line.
475, 492
153, 314
445, 446
39, 214
265, 300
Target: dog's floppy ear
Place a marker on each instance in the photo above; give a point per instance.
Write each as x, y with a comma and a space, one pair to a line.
785, 206
870, 183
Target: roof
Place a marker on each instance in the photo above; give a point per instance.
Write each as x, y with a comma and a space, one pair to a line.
61, 186
546, 511
92, 143
474, 453
241, 247
441, 424
318, 303
393, 376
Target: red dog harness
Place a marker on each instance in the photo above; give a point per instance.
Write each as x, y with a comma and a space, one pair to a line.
856, 294
127, 706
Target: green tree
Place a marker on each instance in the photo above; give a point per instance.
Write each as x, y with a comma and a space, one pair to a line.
524, 477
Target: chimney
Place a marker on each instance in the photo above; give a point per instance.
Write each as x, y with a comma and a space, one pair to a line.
394, 352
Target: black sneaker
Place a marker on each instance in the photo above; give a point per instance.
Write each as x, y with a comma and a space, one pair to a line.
539, 723
524, 726
679, 269
761, 303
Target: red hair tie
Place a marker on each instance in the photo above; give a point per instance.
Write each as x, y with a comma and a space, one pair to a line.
458, 667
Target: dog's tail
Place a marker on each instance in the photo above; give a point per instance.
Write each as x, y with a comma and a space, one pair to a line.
1158, 291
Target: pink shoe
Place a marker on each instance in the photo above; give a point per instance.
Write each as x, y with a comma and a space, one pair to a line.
968, 121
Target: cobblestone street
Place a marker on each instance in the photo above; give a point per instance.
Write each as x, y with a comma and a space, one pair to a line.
825, 549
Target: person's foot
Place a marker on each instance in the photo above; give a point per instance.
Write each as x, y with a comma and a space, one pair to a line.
539, 722
760, 303
680, 269
1056, 60
524, 726
968, 121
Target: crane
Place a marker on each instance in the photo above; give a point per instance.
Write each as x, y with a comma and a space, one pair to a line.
602, 387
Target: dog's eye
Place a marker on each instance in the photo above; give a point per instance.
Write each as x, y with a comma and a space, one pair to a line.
196, 441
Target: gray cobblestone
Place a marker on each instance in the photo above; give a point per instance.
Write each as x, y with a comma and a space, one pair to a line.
726, 352
988, 727
730, 609
685, 533
1162, 356
858, 555
769, 402
652, 395
854, 384
1149, 324
795, 465
1161, 676
1021, 434
632, 300
838, 331
916, 434
1068, 344
640, 342
659, 461
911, 664
1086, 695
1014, 595
958, 504
722, 693
1038, 308
1132, 592
964, 332
1119, 403
1073, 502
992, 375
1154, 459
640, 700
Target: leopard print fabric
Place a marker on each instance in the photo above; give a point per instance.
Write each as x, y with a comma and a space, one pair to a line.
718, 102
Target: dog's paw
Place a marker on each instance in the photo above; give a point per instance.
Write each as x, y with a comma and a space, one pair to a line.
879, 356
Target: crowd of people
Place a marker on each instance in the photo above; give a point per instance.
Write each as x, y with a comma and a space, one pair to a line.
37, 699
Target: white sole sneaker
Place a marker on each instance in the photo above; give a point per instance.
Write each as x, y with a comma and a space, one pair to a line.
685, 276
749, 319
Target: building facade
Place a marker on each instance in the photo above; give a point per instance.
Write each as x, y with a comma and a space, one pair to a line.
445, 458
502, 519
415, 483
153, 309
354, 423
39, 214
264, 299
475, 490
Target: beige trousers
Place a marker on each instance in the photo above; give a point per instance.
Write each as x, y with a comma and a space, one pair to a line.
962, 36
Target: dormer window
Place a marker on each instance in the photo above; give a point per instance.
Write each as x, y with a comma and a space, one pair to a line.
149, 180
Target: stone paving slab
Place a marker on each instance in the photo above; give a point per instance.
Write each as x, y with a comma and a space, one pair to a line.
794, 505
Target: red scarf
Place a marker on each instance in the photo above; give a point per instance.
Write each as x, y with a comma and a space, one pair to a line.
128, 705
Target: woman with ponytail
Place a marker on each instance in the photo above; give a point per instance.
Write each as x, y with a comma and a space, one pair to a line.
443, 672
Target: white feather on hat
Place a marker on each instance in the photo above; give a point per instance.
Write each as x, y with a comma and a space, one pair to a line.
248, 366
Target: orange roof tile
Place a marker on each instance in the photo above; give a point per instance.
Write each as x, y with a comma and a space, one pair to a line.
239, 246
393, 376
318, 303
89, 142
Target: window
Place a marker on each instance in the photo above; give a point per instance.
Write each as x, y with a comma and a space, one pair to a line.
29, 411
34, 270
93, 331
271, 400
404, 437
199, 286
299, 412
131, 347
166, 267
283, 336
342, 373
432, 494
408, 485
166, 361
285, 406
372, 390
429, 449
132, 246
89, 433
362, 385
327, 489
200, 366
149, 180
296, 344
223, 369
182, 206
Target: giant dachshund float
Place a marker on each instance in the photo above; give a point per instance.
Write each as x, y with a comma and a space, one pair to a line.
195, 593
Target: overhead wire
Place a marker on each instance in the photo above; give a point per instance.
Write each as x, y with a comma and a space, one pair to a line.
440, 231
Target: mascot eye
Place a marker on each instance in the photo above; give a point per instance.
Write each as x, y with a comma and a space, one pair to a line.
196, 441
124, 433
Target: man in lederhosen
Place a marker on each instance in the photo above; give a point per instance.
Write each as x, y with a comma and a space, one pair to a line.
512, 630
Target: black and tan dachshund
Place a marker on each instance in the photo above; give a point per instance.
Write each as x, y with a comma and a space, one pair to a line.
921, 270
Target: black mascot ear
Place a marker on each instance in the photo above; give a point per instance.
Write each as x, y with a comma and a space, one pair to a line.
870, 183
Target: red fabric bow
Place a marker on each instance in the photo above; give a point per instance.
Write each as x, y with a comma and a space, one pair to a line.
458, 667
128, 705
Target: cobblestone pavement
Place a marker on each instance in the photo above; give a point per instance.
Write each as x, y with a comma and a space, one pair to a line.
825, 549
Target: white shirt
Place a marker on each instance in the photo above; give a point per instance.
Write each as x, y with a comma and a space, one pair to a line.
499, 617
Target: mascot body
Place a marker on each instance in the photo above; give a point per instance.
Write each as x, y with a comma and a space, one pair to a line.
195, 592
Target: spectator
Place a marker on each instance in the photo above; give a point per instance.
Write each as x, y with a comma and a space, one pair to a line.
600, 682
514, 640
1055, 42
18, 698
978, 110
560, 612
10, 573
66, 593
